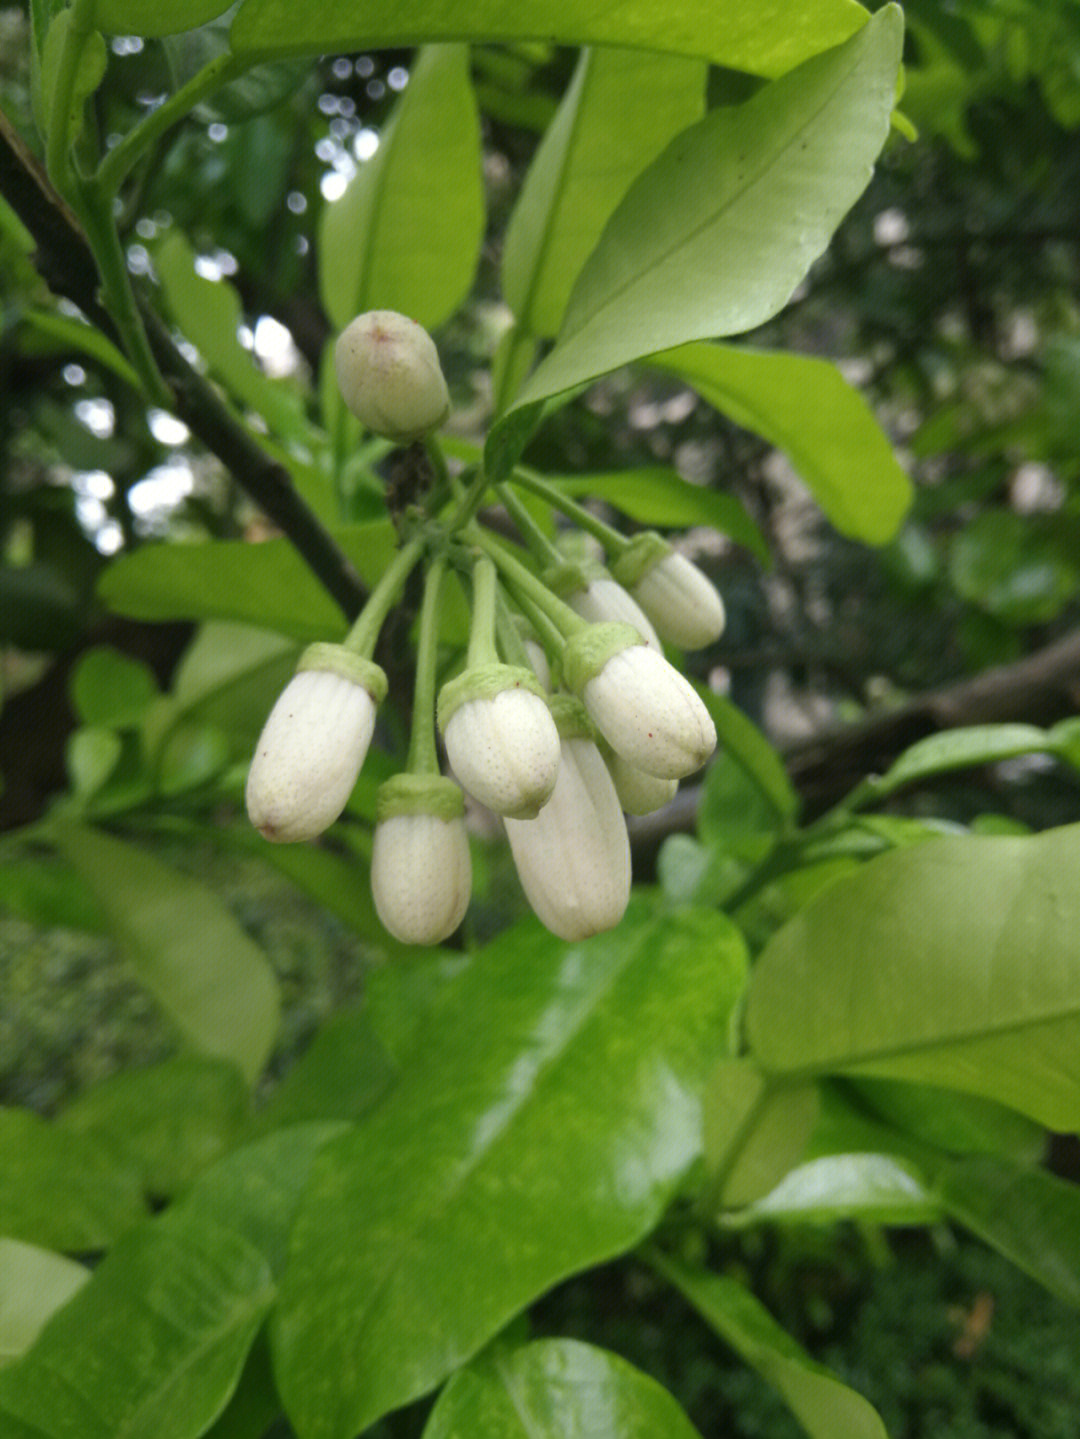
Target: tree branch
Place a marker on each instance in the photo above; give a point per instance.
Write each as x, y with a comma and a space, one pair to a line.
65, 262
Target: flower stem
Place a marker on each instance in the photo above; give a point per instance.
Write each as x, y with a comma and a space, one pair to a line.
364, 635
530, 587
542, 548
485, 584
423, 755
510, 641
469, 503
612, 541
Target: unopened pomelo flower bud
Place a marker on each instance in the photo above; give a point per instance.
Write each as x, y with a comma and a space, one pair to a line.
639, 793
645, 709
421, 873
500, 738
591, 593
574, 858
682, 603
313, 743
389, 374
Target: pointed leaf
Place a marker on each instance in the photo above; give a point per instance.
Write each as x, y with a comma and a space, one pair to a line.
34, 1283
184, 946
584, 166
715, 235
556, 1389
869, 1188
953, 962
554, 1106
961, 749
151, 18
406, 233
742, 35
830, 436
826, 1408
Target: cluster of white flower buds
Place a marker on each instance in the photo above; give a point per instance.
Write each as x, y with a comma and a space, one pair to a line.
565, 717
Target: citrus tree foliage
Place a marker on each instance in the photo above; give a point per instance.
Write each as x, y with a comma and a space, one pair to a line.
856, 1017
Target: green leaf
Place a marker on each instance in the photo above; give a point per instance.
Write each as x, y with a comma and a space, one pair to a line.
93, 60
91, 756
184, 946
556, 1389
70, 332
267, 584
59, 1190
755, 1131
742, 36
406, 233
1031, 1217
871, 1188
953, 962
34, 1283
955, 1123
961, 749
715, 235
110, 688
342, 1075
151, 18
152, 1346
168, 1121
747, 746
826, 1408
656, 495
830, 436
584, 166
553, 1108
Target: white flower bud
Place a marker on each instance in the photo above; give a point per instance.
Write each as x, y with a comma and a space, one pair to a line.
645, 709
421, 873
389, 374
639, 793
539, 661
313, 744
604, 601
500, 738
574, 858
682, 603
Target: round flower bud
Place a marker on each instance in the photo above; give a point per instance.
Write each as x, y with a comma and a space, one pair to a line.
682, 603
421, 873
639, 793
313, 744
645, 709
574, 858
389, 374
500, 738
591, 592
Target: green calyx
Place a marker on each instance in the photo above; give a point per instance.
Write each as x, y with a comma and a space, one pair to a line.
484, 682
350, 666
571, 719
571, 576
432, 794
588, 651
635, 562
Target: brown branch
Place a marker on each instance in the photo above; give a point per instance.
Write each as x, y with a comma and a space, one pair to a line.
65, 262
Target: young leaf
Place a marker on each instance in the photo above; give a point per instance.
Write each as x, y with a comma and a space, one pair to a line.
715, 235
953, 962
826, 1408
110, 688
584, 166
34, 1283
406, 233
961, 749
829, 434
553, 1109
742, 36
184, 946
555, 1389
88, 76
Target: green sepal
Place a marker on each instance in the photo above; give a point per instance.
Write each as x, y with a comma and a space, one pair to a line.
588, 651
643, 552
484, 682
349, 665
432, 794
571, 718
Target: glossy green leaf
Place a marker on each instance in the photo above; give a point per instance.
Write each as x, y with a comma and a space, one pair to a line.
266, 584
715, 235
952, 962
955, 1123
755, 1131
584, 166
34, 1283
152, 1346
830, 434
961, 749
553, 1108
659, 496
342, 1075
59, 1190
556, 1389
871, 1188
110, 688
1031, 1217
826, 1408
741, 36
406, 233
155, 17
747, 746
168, 1121
254, 1404
184, 946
